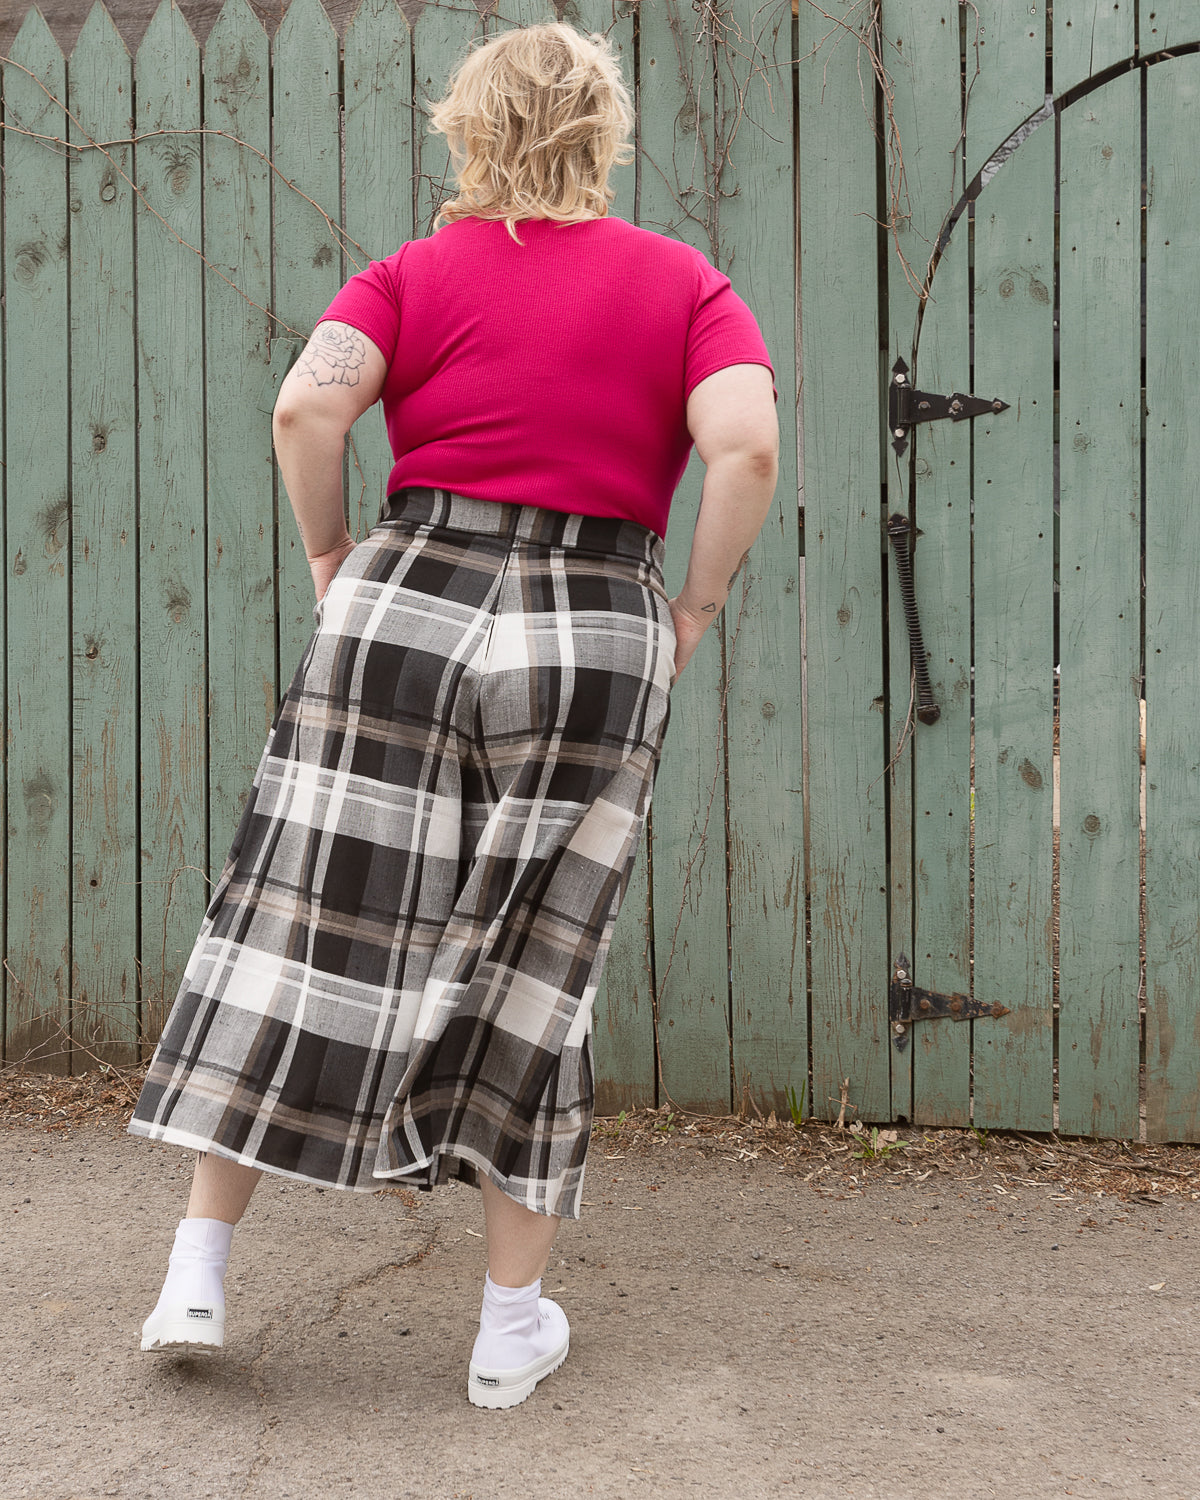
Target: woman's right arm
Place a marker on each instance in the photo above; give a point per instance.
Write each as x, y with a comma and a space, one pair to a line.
337, 377
731, 417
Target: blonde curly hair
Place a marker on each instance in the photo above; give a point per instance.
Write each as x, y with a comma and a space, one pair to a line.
535, 120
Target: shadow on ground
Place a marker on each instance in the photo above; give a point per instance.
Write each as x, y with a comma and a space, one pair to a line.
735, 1334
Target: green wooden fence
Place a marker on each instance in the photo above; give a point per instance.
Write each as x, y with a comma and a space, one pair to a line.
173, 223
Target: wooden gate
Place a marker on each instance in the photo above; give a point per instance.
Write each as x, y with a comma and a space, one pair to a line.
1042, 248
996, 196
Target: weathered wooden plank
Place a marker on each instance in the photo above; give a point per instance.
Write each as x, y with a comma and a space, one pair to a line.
1089, 36
379, 133
241, 522
623, 1038
623, 1045
508, 13
900, 780
1172, 620
379, 201
171, 659
923, 52
307, 253
689, 850
930, 808
1014, 661
1168, 23
104, 737
3, 618
942, 799
1006, 73
756, 247
846, 731
38, 730
1099, 626
615, 19
441, 38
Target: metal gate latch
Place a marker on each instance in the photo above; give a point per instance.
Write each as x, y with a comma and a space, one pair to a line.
907, 1003
907, 407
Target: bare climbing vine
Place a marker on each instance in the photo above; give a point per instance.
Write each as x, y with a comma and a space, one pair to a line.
106, 149
862, 23
73, 149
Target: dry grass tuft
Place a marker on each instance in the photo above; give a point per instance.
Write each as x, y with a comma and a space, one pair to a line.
846, 1162
55, 1103
832, 1161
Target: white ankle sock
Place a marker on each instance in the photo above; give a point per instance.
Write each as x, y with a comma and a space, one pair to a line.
196, 1271
513, 1331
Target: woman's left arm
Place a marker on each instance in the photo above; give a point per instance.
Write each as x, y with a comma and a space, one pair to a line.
337, 377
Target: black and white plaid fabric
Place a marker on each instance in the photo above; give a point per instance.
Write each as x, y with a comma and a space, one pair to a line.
395, 974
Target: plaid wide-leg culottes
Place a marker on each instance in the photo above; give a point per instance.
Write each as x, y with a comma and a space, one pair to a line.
395, 973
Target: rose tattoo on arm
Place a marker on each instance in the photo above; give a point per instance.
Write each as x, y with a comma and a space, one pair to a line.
335, 355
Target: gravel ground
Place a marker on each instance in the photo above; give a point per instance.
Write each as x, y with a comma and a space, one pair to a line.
754, 1309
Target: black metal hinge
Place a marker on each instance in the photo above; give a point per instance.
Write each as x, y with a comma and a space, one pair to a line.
907, 407
907, 1003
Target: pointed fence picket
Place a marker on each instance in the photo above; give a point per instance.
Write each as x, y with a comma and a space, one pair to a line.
38, 865
172, 682
103, 561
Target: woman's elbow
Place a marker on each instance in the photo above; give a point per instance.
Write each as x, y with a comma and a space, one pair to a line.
283, 420
294, 418
763, 463
290, 413
752, 444
758, 457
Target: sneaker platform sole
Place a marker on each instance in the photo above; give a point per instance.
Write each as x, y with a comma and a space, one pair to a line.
498, 1389
182, 1336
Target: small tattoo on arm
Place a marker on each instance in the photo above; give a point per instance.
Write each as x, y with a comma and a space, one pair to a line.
708, 608
335, 355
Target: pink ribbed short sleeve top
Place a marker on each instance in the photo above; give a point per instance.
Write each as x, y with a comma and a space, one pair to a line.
555, 372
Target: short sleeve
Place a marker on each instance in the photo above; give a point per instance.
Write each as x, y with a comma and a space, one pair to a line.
370, 302
723, 331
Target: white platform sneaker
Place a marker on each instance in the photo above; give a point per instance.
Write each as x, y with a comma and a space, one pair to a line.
190, 1313
497, 1388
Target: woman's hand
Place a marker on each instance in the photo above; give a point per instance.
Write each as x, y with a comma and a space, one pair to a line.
326, 564
689, 627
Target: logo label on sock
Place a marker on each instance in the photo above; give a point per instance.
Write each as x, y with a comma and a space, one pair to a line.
200, 1312
487, 1380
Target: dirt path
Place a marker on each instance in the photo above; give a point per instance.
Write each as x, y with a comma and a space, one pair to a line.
736, 1333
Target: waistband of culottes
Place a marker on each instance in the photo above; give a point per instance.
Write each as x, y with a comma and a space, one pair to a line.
512, 521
